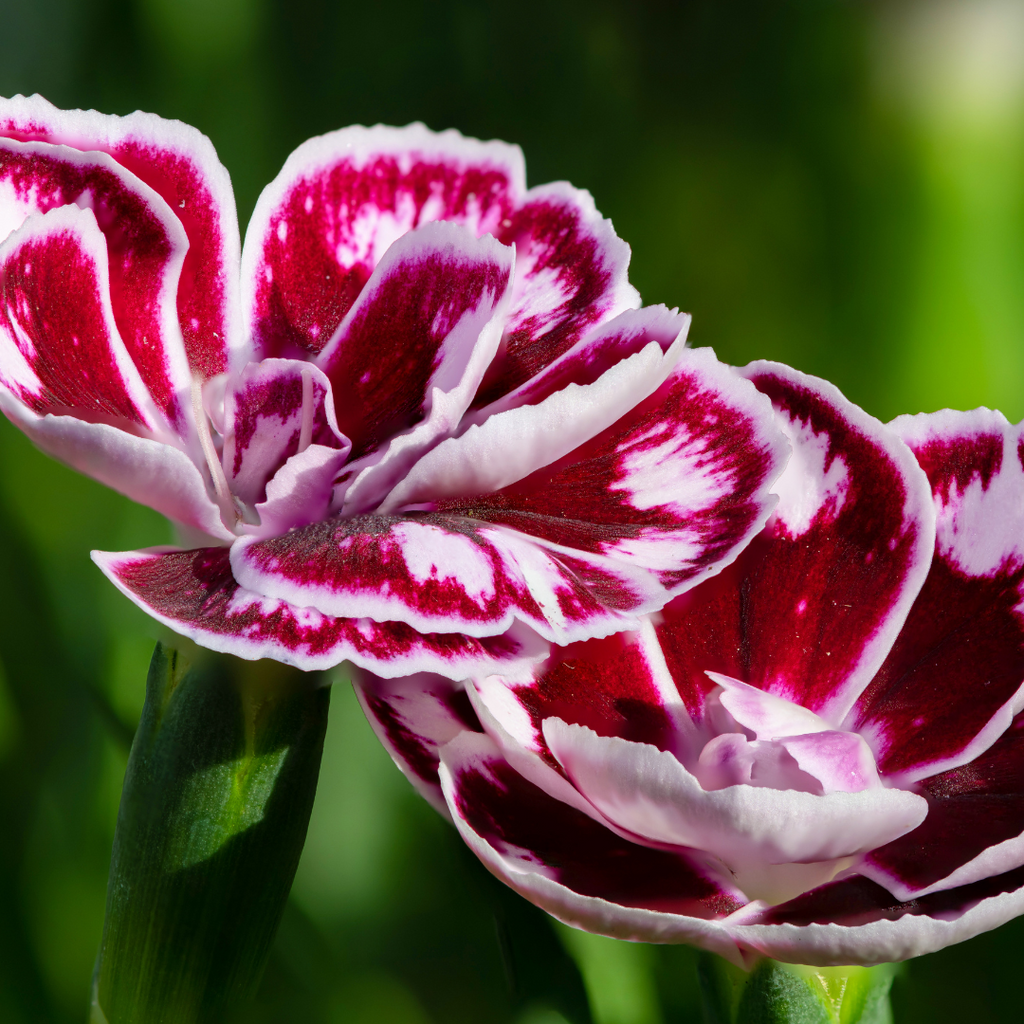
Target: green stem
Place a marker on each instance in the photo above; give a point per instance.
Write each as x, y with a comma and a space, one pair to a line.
777, 993
214, 811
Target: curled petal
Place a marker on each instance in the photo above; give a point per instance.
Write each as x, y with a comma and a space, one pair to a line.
953, 680
274, 409
571, 272
180, 164
194, 593
322, 226
144, 248
60, 350
414, 717
856, 921
147, 471
412, 349
573, 867
651, 794
675, 488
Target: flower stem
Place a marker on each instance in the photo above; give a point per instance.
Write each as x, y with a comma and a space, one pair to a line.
214, 811
777, 993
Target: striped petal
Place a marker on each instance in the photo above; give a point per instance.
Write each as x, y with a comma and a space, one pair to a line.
572, 866
341, 200
145, 247
811, 608
952, 682
571, 275
194, 593
414, 717
179, 164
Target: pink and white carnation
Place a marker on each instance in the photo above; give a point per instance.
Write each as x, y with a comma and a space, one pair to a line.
417, 422
816, 756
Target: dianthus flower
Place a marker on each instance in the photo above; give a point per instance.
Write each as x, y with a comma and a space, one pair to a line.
418, 422
815, 756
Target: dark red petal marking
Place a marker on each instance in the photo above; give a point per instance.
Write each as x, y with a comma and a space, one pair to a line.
809, 609
858, 901
60, 350
392, 346
180, 164
571, 275
414, 717
675, 487
607, 685
594, 355
519, 820
144, 248
945, 692
340, 201
194, 593
970, 809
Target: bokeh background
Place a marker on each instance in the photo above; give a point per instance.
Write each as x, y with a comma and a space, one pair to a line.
838, 185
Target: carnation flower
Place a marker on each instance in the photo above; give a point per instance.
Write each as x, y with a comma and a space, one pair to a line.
815, 756
418, 422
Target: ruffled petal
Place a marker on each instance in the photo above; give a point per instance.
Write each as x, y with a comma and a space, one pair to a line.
322, 226
675, 488
414, 717
180, 164
811, 608
412, 349
194, 593
437, 573
60, 350
144, 250
273, 409
571, 275
952, 683
856, 921
573, 867
974, 828
651, 794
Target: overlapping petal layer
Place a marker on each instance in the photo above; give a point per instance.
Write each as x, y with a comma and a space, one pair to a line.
827, 733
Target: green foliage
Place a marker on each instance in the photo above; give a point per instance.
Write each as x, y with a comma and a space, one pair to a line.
216, 801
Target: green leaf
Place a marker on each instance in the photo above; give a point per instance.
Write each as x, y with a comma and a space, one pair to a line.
214, 811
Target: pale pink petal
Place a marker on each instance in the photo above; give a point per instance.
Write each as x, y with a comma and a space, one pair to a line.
299, 493
181, 165
194, 593
147, 471
60, 350
414, 717
341, 200
573, 867
813, 605
952, 682
571, 275
143, 253
270, 410
856, 921
650, 793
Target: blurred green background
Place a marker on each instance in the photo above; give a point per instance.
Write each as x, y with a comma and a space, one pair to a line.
834, 184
